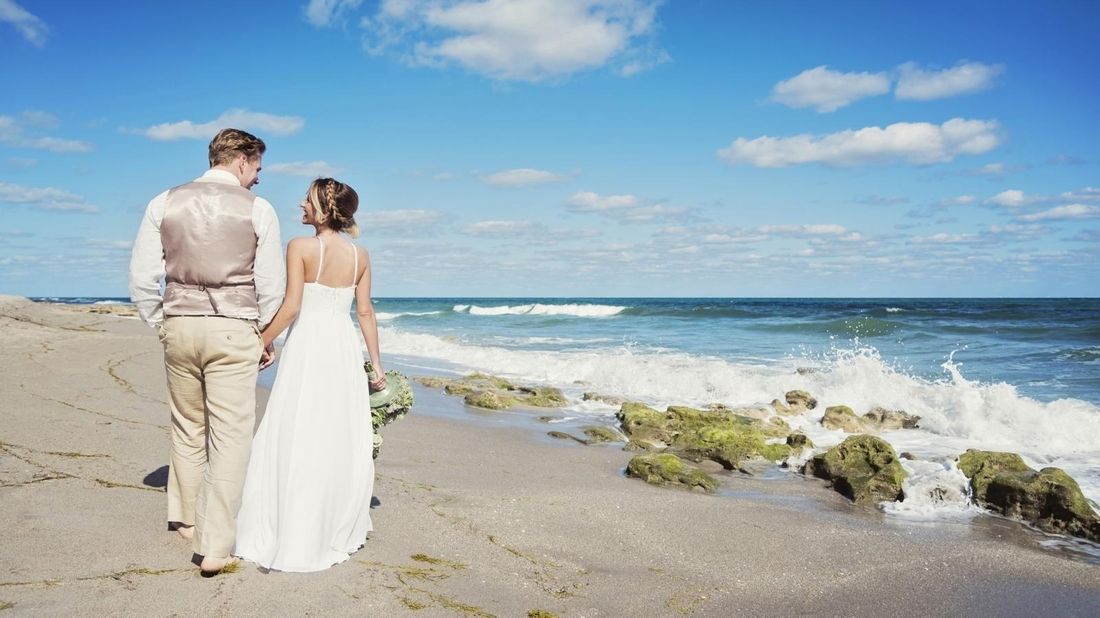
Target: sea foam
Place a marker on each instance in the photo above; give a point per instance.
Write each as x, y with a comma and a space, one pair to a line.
956, 413
572, 309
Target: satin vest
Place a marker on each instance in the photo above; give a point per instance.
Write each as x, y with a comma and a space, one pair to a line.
209, 251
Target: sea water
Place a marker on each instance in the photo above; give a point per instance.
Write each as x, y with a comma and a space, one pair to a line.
1019, 375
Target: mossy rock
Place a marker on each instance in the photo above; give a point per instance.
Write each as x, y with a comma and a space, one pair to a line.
561, 435
799, 441
646, 427
432, 381
495, 393
608, 399
729, 445
598, 434
541, 397
842, 418
719, 435
800, 399
666, 469
489, 400
494, 381
1048, 499
864, 468
883, 419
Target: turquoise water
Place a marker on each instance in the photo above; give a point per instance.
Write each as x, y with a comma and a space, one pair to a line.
1047, 348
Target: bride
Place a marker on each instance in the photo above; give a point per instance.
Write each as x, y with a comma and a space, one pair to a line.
307, 494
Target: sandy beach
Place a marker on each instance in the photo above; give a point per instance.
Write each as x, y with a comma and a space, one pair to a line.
481, 514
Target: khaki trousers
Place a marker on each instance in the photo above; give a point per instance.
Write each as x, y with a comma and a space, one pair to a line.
211, 364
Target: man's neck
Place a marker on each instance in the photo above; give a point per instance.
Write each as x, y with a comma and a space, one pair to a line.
227, 170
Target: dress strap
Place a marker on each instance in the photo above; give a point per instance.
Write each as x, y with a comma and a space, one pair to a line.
355, 269
320, 262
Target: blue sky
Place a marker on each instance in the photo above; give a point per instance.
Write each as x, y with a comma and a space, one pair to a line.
577, 147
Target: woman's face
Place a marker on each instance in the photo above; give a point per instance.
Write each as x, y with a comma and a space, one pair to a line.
308, 217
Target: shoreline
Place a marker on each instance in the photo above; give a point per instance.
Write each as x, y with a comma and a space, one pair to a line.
481, 514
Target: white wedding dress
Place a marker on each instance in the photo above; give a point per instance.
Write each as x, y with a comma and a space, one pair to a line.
306, 501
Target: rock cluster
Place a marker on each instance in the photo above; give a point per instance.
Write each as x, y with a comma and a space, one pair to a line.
495, 393
864, 467
1048, 499
878, 419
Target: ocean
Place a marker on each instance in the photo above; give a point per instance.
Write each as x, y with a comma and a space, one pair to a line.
1019, 375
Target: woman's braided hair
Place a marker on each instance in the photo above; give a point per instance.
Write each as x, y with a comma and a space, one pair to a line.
334, 205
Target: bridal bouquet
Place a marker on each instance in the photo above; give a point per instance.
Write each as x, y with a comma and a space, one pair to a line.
390, 404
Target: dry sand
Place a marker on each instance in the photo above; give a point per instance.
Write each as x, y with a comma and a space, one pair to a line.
480, 515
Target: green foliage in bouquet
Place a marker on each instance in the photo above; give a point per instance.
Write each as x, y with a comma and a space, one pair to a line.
394, 407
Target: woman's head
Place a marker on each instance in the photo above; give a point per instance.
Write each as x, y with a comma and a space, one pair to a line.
332, 204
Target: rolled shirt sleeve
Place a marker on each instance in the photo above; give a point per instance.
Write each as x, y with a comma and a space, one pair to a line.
269, 269
147, 264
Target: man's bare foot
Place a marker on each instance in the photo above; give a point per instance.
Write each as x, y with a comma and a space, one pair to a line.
213, 566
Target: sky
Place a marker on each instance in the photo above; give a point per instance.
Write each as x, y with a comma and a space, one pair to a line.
581, 148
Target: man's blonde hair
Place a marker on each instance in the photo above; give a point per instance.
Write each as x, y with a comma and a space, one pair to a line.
229, 143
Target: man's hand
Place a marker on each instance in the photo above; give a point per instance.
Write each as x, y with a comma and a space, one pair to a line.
267, 357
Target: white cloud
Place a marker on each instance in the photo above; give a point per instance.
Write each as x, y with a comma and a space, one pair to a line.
1082, 195
991, 169
322, 13
40, 119
399, 219
44, 198
827, 229
913, 142
944, 238
308, 169
524, 40
235, 118
828, 91
1010, 198
30, 26
12, 133
498, 228
734, 238
961, 200
587, 201
56, 144
624, 208
915, 83
522, 177
1069, 211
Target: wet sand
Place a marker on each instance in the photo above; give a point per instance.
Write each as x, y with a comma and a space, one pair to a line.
480, 514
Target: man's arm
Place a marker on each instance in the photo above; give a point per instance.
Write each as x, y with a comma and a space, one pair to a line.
147, 264
270, 271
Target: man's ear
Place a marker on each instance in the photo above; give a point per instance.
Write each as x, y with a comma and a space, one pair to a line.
241, 161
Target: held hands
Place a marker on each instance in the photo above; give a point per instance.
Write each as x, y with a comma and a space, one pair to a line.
267, 357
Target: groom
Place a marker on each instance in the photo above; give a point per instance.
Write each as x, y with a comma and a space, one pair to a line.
217, 247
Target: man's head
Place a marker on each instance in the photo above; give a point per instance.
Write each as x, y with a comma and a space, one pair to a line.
238, 153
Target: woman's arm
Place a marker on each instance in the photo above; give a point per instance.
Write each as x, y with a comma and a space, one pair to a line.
292, 302
364, 313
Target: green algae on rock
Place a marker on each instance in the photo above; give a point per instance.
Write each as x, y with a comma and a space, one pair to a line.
864, 468
599, 434
842, 418
666, 468
718, 435
495, 393
1048, 499
490, 400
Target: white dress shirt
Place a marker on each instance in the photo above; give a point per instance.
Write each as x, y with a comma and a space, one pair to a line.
147, 262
